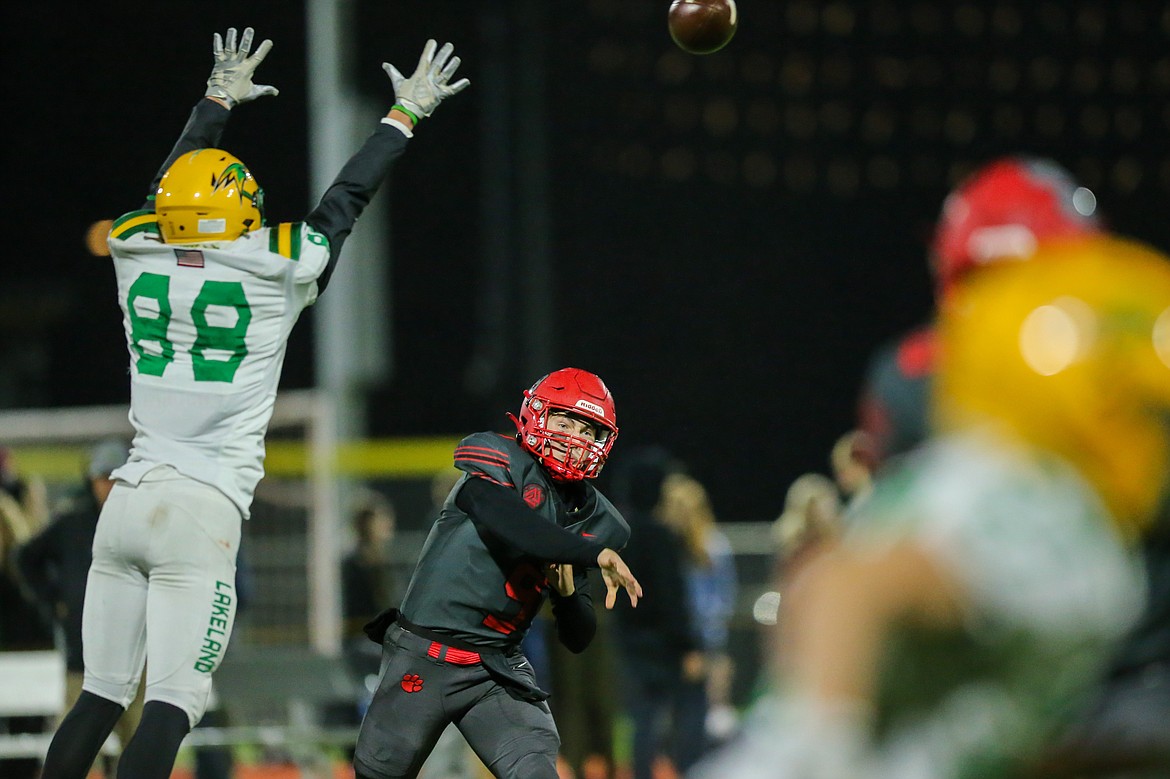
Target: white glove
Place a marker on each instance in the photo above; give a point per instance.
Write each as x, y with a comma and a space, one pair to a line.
428, 86
231, 75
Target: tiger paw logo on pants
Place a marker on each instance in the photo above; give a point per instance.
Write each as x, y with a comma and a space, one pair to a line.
412, 682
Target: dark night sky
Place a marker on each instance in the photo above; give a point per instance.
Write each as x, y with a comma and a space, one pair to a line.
730, 236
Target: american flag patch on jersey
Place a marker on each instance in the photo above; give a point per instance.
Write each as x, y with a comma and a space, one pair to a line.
191, 258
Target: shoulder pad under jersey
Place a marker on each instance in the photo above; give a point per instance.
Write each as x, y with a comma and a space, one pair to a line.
134, 223
486, 455
286, 238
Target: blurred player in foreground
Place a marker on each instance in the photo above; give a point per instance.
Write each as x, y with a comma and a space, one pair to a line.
209, 295
522, 523
965, 615
1001, 213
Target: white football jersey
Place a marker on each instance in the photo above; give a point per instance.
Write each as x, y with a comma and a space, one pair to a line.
206, 327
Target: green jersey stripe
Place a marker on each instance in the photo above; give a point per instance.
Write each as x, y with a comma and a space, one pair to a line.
285, 239
124, 218
145, 227
294, 240
133, 223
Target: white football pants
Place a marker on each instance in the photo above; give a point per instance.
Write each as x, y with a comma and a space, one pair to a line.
161, 591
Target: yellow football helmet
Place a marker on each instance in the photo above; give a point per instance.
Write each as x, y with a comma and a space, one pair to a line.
208, 195
1072, 357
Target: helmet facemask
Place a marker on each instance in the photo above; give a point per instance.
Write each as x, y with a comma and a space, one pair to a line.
577, 395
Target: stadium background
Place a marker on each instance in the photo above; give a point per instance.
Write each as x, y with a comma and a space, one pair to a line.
727, 237
724, 239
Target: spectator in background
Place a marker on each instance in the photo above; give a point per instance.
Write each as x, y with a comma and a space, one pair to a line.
24, 502
964, 614
852, 463
23, 512
367, 583
709, 567
367, 580
659, 646
812, 520
54, 566
811, 517
23, 627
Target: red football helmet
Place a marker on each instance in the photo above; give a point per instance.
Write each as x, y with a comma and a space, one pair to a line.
574, 392
1003, 210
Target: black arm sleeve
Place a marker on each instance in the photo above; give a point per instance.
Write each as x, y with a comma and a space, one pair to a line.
352, 190
501, 511
575, 619
202, 131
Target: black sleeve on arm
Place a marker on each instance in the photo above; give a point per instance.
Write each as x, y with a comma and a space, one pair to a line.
501, 511
202, 131
575, 619
352, 190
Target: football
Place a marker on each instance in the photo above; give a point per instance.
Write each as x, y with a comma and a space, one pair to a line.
702, 26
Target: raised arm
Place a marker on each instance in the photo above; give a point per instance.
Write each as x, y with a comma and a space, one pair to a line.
229, 84
355, 185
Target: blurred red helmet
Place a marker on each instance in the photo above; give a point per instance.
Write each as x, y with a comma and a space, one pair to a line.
1003, 210
575, 392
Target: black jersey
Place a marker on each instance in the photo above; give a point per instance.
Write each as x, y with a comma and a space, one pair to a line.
480, 578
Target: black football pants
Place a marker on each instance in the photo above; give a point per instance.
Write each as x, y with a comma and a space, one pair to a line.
418, 695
